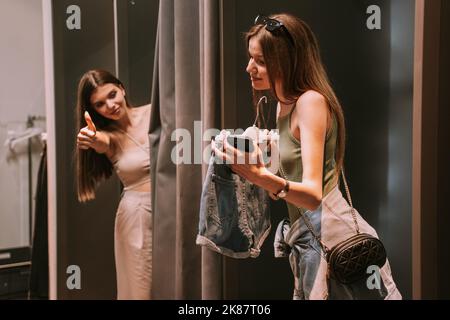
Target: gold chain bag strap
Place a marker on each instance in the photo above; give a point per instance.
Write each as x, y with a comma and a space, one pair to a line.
349, 260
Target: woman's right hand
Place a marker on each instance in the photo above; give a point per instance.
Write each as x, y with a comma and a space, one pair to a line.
87, 136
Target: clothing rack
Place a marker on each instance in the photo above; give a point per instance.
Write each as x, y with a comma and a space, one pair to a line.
13, 139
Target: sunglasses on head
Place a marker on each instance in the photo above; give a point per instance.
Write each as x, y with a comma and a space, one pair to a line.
273, 25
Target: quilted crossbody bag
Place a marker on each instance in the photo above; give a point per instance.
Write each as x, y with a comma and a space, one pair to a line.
349, 260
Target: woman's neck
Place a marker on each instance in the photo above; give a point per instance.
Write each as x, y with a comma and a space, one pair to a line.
286, 106
286, 103
126, 121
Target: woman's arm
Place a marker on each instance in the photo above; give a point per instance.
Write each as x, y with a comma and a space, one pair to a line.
310, 116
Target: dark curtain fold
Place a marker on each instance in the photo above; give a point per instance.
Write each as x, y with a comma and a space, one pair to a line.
39, 256
163, 171
186, 88
212, 263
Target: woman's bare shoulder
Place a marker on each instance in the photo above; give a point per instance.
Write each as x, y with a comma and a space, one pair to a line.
311, 97
311, 102
312, 110
144, 108
142, 111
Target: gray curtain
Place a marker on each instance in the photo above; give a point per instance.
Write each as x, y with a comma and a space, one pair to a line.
186, 88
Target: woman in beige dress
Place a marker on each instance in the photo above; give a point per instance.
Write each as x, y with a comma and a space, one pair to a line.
113, 135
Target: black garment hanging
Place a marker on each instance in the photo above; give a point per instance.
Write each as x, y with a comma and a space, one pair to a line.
39, 254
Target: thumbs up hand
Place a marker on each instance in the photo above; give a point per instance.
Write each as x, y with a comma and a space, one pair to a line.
90, 123
87, 135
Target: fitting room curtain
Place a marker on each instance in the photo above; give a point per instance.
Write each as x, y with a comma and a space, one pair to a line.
186, 88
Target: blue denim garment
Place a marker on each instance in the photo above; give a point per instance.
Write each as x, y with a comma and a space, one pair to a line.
234, 213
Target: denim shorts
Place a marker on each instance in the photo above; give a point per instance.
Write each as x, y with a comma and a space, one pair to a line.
234, 214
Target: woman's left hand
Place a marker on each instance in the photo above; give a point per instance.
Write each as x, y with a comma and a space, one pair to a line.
248, 165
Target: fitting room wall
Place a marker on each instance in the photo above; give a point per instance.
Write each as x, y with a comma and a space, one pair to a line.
444, 155
431, 153
84, 231
372, 73
137, 23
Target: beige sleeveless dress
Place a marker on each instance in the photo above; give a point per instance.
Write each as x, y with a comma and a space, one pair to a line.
133, 224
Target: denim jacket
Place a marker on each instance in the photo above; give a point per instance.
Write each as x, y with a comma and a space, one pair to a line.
333, 223
234, 213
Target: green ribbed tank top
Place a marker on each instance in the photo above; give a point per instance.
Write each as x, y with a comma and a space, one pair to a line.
291, 159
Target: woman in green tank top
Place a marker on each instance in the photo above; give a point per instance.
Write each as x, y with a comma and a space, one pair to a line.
284, 61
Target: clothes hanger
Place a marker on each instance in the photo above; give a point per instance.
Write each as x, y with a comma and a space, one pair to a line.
15, 138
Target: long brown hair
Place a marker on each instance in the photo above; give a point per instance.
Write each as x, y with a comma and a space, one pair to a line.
91, 167
299, 66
